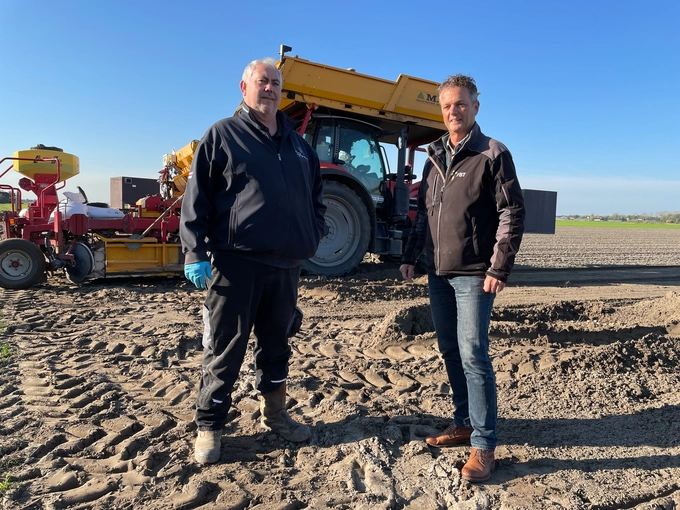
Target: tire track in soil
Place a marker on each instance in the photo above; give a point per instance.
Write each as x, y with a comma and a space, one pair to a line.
109, 394
97, 405
107, 386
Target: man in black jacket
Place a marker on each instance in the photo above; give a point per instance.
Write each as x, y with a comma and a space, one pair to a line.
469, 227
251, 212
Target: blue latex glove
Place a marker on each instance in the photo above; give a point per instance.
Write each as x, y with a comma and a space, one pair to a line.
198, 273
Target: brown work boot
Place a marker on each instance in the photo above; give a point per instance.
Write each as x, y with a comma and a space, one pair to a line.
479, 466
452, 436
275, 417
207, 447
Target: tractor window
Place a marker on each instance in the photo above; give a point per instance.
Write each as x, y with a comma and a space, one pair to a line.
324, 144
324, 140
357, 150
360, 154
309, 134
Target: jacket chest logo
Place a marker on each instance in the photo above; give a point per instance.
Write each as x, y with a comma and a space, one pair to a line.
300, 153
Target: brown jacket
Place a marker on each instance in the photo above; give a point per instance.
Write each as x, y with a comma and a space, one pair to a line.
470, 217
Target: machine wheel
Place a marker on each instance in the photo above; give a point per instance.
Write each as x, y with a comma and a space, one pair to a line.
84, 259
22, 264
349, 232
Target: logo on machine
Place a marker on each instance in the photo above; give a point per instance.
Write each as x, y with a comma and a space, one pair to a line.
427, 98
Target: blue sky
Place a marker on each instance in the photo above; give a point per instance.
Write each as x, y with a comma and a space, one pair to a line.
585, 94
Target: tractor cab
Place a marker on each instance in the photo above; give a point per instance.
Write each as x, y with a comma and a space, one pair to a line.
351, 146
358, 148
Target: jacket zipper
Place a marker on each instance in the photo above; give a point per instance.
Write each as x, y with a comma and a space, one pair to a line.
439, 216
441, 201
282, 173
278, 155
439, 210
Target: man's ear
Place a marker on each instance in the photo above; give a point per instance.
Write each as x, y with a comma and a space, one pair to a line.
242, 86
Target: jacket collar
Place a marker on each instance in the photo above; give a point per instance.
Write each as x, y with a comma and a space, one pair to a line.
438, 147
285, 123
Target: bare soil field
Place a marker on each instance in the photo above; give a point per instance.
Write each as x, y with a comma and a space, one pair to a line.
601, 246
96, 400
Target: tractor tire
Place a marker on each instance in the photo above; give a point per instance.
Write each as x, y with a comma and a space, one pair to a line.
349, 232
22, 264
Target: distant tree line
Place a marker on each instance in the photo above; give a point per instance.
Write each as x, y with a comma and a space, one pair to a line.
662, 217
5, 198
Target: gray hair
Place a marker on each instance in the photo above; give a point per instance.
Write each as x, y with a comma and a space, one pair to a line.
460, 80
250, 68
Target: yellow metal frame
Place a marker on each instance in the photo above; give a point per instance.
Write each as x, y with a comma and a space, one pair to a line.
408, 100
185, 155
149, 256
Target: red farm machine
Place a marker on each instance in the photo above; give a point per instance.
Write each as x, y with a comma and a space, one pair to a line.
85, 240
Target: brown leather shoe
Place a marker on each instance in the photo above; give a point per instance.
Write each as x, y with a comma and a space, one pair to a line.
452, 436
479, 466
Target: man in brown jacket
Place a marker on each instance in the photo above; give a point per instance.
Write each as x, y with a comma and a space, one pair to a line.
469, 227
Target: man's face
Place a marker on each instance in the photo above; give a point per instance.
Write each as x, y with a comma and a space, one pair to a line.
459, 111
262, 92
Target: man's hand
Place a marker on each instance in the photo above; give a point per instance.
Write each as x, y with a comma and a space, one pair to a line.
198, 273
407, 271
493, 285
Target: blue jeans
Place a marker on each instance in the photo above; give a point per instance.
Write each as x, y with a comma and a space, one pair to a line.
461, 312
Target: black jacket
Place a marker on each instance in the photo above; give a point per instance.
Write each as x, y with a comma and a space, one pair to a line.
253, 194
470, 216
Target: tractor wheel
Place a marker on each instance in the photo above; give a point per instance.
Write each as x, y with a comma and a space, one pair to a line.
22, 264
349, 232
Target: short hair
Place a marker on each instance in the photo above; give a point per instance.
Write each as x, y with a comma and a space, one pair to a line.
250, 68
460, 80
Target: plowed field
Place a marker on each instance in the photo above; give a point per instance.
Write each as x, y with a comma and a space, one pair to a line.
96, 399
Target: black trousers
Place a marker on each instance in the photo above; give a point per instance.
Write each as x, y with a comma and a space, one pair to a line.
244, 295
